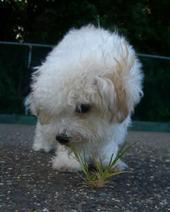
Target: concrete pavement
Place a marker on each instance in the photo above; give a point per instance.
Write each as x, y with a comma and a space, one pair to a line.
28, 183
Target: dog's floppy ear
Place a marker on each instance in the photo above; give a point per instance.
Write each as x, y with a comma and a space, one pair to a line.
116, 87
106, 91
114, 96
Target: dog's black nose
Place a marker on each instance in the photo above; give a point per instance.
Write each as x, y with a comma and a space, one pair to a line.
62, 139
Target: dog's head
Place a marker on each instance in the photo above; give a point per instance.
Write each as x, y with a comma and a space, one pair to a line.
83, 99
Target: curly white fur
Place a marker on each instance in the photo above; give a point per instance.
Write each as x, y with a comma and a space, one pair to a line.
89, 66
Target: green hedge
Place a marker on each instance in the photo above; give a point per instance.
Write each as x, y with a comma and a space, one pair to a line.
13, 63
155, 105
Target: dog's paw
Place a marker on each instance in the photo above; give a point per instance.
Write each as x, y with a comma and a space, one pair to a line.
44, 148
121, 166
64, 164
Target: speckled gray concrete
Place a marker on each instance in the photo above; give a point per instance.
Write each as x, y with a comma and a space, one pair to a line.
28, 183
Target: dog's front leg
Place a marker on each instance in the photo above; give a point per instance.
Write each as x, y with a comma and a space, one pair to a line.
41, 139
110, 151
65, 160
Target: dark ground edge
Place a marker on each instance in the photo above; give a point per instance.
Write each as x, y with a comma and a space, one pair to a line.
136, 125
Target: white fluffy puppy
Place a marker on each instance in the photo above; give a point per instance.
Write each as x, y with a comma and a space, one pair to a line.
83, 94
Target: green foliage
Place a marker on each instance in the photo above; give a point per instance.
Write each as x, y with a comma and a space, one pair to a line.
145, 23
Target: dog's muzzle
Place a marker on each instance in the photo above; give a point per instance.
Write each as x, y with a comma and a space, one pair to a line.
63, 138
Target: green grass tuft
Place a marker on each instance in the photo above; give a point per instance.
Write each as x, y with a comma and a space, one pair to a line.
100, 176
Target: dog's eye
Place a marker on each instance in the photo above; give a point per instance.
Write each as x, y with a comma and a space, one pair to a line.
83, 108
